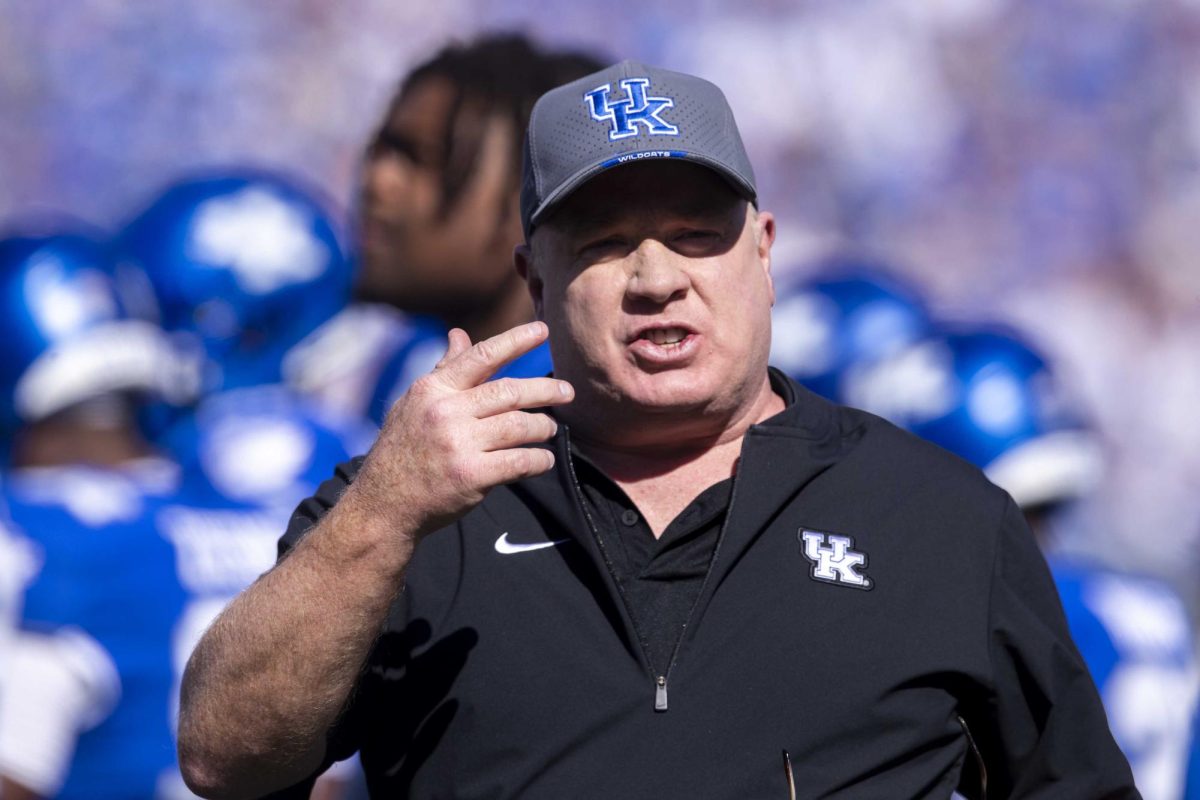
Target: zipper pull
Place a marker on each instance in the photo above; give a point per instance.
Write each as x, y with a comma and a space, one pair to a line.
660, 693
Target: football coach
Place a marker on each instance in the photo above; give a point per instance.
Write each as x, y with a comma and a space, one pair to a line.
667, 571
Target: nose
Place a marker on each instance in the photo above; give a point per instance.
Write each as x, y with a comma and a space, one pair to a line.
385, 178
656, 274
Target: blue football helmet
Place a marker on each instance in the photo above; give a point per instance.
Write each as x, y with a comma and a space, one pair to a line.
67, 335
245, 262
990, 398
852, 312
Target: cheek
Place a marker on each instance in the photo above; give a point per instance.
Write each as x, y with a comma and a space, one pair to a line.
595, 296
582, 310
574, 315
743, 307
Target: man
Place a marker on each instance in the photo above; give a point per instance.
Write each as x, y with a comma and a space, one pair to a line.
705, 567
438, 220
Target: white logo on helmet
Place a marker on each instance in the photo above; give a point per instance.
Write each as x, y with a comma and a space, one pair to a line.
996, 401
914, 386
802, 342
253, 457
63, 302
264, 240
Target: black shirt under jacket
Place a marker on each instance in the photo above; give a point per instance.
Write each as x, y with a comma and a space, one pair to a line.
659, 579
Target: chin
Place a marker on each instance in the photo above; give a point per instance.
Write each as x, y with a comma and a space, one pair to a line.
674, 391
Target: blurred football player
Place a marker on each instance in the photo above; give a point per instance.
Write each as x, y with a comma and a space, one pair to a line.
78, 475
135, 556
73, 353
438, 219
240, 266
844, 313
989, 397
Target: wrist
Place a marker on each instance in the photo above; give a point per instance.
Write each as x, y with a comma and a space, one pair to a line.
359, 530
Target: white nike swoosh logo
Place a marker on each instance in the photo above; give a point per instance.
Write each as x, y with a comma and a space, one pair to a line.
504, 546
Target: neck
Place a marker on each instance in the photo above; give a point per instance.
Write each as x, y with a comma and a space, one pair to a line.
662, 476
661, 445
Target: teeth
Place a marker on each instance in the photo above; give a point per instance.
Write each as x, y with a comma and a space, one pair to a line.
665, 335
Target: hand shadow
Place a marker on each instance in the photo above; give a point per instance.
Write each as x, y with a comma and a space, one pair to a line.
405, 704
400, 710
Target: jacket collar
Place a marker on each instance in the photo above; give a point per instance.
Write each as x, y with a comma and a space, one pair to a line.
779, 458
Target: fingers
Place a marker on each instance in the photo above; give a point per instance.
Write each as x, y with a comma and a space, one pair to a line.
511, 394
466, 367
506, 466
513, 429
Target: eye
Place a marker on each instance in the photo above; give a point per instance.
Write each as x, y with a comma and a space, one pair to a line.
602, 246
695, 241
390, 143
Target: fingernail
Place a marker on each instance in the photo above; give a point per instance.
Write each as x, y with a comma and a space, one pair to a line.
565, 389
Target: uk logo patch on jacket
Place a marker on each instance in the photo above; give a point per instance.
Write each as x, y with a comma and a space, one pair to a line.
833, 559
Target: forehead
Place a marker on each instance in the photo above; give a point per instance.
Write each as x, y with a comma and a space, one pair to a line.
643, 191
434, 107
424, 106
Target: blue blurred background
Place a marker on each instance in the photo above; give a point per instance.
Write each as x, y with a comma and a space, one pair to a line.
1034, 163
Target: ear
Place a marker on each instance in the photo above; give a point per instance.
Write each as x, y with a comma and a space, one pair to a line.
764, 238
527, 269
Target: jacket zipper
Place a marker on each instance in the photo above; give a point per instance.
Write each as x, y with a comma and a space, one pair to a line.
660, 694
660, 681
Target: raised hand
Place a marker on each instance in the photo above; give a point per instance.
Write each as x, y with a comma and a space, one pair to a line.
454, 435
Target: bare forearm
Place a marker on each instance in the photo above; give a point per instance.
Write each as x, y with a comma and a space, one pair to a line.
271, 675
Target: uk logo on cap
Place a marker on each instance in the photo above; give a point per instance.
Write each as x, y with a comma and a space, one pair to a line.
637, 108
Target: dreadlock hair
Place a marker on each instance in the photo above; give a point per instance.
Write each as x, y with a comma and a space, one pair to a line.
497, 75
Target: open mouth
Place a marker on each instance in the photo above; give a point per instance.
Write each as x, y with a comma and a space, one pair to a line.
664, 345
664, 336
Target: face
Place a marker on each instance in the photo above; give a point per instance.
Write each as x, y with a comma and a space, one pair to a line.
416, 253
654, 279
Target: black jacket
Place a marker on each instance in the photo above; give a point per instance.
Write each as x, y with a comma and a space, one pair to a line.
520, 675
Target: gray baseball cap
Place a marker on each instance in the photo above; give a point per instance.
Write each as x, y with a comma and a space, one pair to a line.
622, 114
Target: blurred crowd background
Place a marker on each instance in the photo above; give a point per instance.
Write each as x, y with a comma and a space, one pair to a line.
1030, 162
1034, 165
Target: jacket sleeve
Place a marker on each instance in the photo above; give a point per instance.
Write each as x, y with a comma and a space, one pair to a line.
1041, 728
311, 509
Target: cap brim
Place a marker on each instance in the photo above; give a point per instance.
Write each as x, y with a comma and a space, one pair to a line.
582, 176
